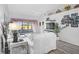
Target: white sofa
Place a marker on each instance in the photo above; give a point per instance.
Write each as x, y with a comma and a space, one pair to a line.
44, 42
40, 43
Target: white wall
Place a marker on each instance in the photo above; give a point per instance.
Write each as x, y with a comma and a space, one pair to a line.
6, 12
69, 34
1, 13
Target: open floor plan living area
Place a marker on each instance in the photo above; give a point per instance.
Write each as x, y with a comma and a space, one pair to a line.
39, 28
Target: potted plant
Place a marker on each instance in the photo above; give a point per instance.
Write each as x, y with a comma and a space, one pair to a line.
67, 7
57, 29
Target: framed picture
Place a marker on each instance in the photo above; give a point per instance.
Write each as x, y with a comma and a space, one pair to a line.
66, 19
74, 17
77, 19
74, 14
74, 24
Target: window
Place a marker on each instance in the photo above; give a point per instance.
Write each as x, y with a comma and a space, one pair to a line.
21, 27
26, 27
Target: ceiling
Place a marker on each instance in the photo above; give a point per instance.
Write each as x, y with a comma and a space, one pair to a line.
32, 11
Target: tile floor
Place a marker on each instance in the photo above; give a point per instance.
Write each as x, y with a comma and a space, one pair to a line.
65, 48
